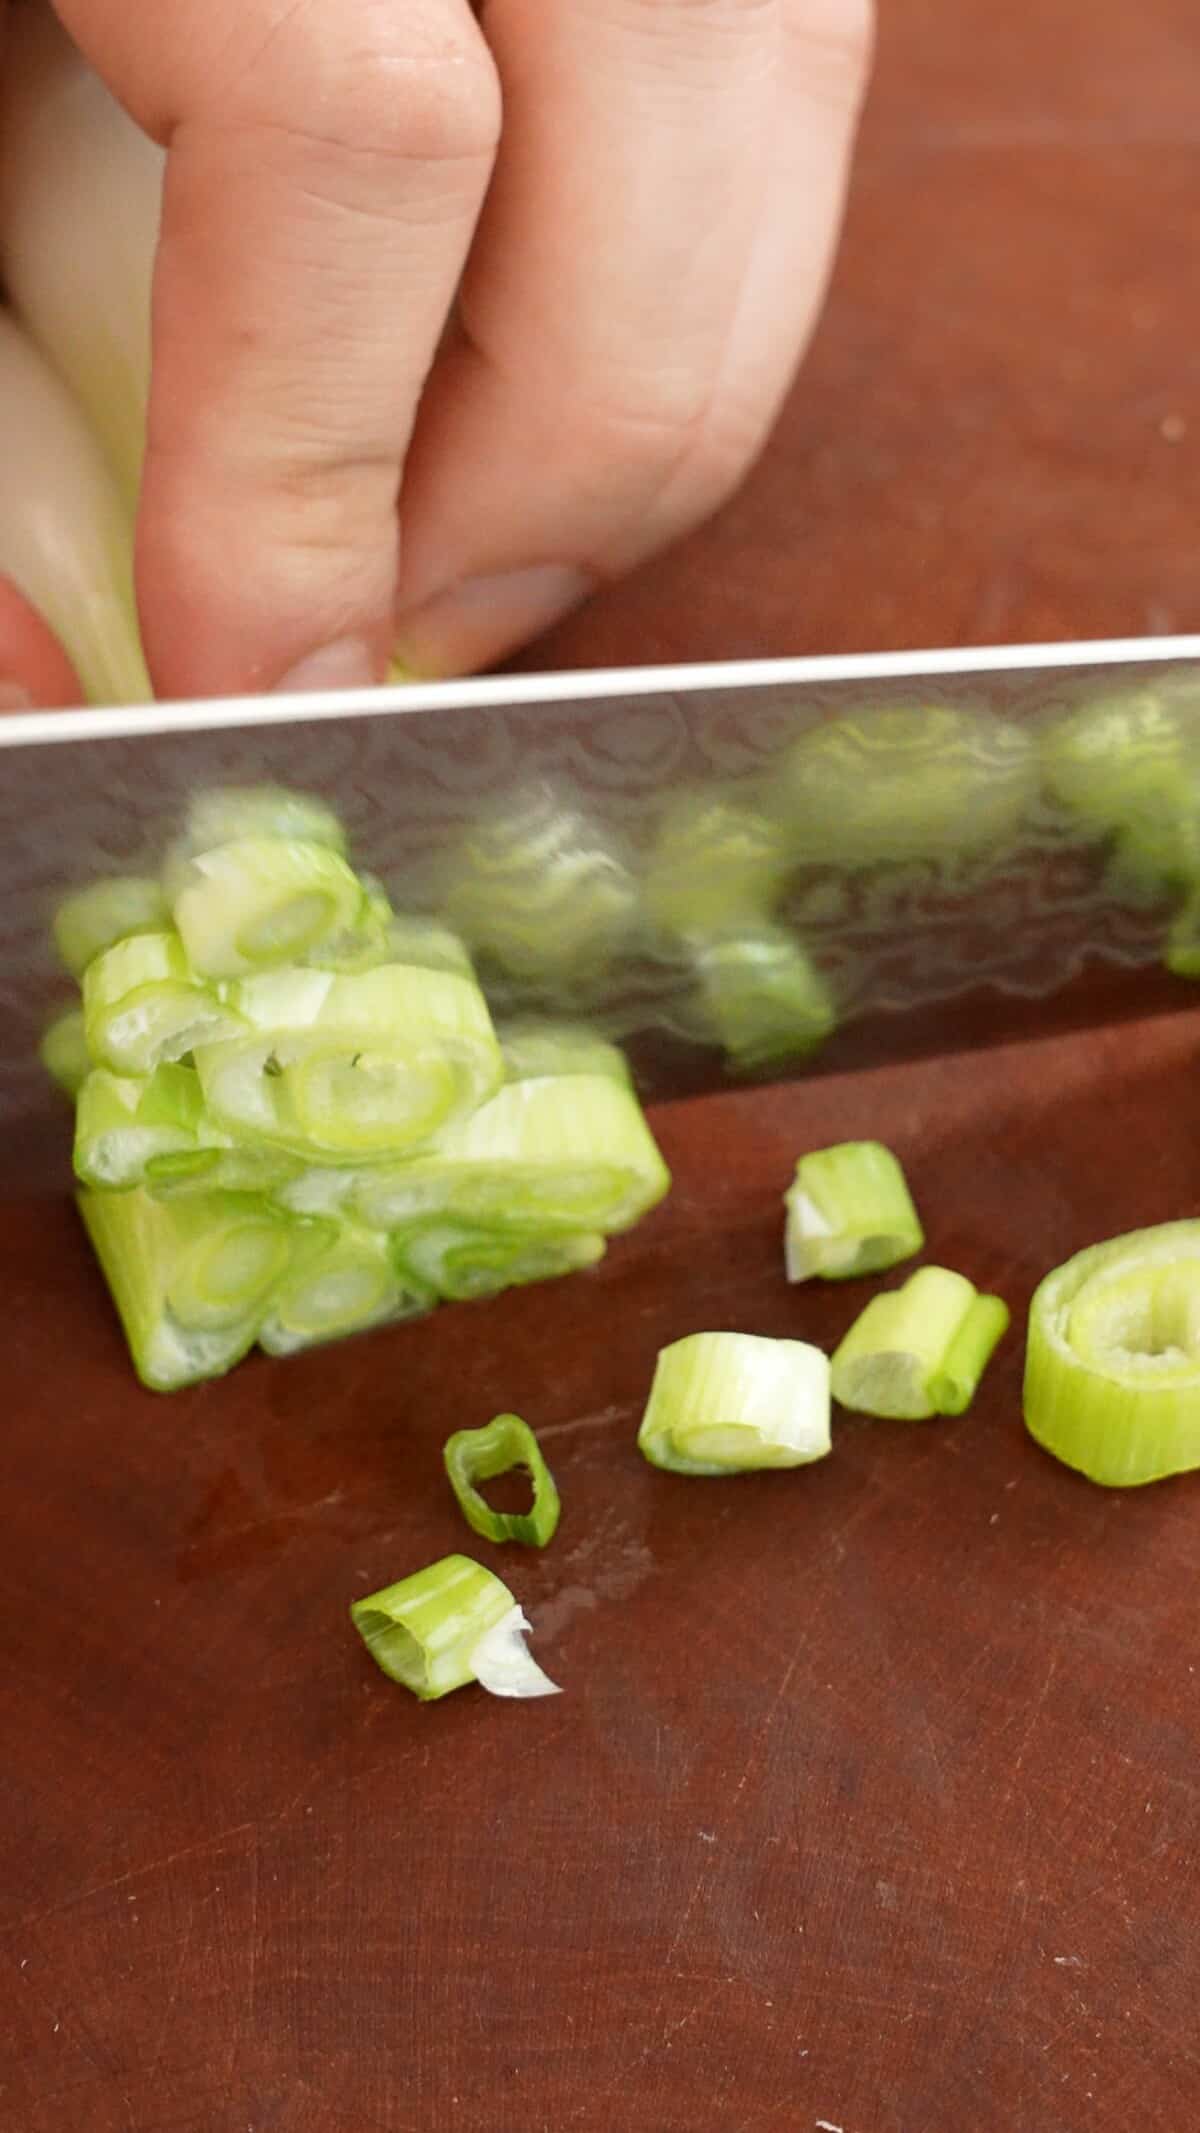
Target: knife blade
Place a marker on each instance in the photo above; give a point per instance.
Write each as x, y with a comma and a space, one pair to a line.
741, 872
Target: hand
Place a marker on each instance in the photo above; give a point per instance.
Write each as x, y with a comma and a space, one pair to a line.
625, 208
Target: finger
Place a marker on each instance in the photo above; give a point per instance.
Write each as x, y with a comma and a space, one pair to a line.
35, 673
325, 169
650, 260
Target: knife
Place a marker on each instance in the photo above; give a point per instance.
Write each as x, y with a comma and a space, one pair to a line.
741, 872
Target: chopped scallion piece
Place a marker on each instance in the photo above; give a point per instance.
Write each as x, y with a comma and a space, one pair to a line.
447, 1625
535, 1050
231, 814
94, 918
921, 1349
191, 1279
718, 862
728, 1403
63, 1051
264, 901
564, 1152
350, 1284
143, 1005
761, 997
849, 1212
338, 1068
474, 1455
459, 1260
1112, 1365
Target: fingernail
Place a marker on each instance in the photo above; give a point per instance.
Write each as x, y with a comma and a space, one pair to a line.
348, 665
481, 619
14, 698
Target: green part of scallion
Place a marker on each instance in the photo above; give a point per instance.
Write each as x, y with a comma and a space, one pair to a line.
459, 1260
448, 1625
475, 1455
155, 1132
761, 997
263, 901
718, 862
543, 1050
349, 1285
108, 911
565, 1152
729, 1403
339, 1068
1128, 766
928, 783
143, 1006
1112, 1364
63, 1051
541, 892
235, 814
919, 1350
849, 1212
427, 944
192, 1279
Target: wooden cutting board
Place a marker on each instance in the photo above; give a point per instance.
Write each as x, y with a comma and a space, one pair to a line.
870, 1802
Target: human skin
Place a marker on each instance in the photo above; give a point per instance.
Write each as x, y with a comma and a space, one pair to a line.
459, 313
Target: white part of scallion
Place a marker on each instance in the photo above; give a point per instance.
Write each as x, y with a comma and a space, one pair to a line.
80, 205
503, 1664
65, 540
729, 1403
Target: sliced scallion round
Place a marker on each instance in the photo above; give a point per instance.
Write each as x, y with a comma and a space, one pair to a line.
475, 1455
63, 1051
729, 1403
144, 1006
1112, 1365
263, 901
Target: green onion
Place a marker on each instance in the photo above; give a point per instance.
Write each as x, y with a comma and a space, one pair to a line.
447, 1625
350, 1285
65, 540
142, 1005
717, 863
727, 1403
426, 944
95, 918
460, 1260
849, 1212
927, 783
263, 901
1112, 1366
565, 1152
155, 1132
349, 1067
191, 1279
473, 1455
237, 814
536, 1050
539, 891
80, 199
63, 1051
919, 1350
761, 997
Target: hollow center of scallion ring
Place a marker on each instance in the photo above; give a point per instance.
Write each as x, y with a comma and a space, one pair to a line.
1145, 1318
228, 1277
396, 1650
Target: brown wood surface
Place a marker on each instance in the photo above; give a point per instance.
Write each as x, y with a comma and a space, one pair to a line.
871, 1801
